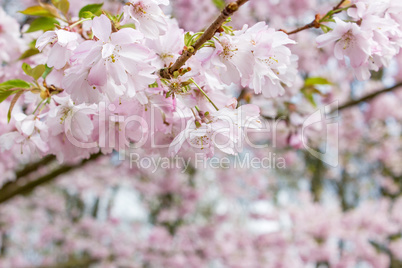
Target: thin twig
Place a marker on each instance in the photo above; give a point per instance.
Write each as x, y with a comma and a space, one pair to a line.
276, 118
367, 98
315, 23
207, 35
347, 104
339, 5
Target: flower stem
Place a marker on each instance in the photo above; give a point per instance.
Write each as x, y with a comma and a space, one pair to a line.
78, 22
37, 107
205, 94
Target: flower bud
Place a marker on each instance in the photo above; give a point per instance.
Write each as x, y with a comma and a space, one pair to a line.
190, 49
44, 94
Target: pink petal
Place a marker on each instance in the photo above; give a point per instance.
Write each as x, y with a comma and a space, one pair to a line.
326, 39
107, 50
339, 50
58, 57
117, 72
102, 28
134, 52
357, 57
44, 39
7, 140
98, 75
126, 36
64, 37
39, 143
27, 127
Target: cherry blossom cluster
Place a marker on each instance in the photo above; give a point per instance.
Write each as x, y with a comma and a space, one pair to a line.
91, 85
103, 83
370, 38
102, 88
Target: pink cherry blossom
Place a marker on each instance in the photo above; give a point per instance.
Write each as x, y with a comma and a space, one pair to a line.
274, 63
215, 164
71, 119
29, 137
351, 41
228, 60
11, 44
223, 129
62, 45
112, 58
147, 16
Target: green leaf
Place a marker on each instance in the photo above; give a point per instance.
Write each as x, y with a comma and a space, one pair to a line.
62, 5
15, 83
128, 25
325, 28
12, 104
27, 68
316, 81
47, 71
7, 88
38, 71
308, 94
219, 3
43, 10
4, 94
42, 23
28, 53
87, 15
310, 89
187, 38
32, 44
37, 11
93, 8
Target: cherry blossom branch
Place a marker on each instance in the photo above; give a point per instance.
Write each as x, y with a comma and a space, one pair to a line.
84, 262
347, 104
339, 5
275, 118
207, 35
24, 184
367, 98
28, 169
316, 23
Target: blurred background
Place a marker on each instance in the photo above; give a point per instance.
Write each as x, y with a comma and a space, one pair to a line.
297, 212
